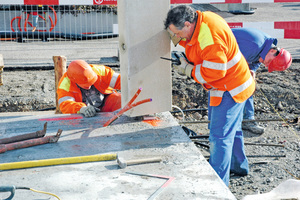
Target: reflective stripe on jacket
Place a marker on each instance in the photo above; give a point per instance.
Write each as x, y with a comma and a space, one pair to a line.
218, 64
69, 94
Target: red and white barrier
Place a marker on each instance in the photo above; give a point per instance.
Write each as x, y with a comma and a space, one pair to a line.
232, 1
59, 2
282, 29
114, 2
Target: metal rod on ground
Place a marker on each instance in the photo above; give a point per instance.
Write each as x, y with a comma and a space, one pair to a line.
245, 120
246, 143
57, 161
30, 143
160, 189
263, 144
258, 156
27, 136
188, 110
201, 144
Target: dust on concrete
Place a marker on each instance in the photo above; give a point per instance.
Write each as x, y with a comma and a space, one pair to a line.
269, 165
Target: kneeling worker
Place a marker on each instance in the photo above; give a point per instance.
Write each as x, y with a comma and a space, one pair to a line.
87, 89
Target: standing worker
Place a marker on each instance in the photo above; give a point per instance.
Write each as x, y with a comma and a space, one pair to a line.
257, 48
221, 68
35, 16
88, 89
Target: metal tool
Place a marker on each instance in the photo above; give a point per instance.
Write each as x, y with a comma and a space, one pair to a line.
176, 58
161, 188
123, 163
174, 61
27, 136
30, 143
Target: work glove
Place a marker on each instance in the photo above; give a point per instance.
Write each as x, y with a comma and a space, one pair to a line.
184, 68
89, 111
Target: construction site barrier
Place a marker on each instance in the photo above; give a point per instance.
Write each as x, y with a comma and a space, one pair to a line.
231, 1
61, 25
279, 29
114, 2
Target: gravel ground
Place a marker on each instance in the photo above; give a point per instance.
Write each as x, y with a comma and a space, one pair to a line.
269, 165
276, 97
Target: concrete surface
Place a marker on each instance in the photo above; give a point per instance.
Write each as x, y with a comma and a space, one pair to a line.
130, 138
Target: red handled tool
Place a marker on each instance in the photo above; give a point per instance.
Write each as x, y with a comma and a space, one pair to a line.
128, 106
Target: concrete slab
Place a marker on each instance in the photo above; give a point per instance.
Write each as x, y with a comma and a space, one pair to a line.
130, 138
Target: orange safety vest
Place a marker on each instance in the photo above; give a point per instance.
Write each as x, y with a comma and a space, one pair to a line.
69, 94
218, 63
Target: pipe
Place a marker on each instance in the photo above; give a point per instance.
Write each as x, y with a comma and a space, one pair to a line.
27, 136
57, 161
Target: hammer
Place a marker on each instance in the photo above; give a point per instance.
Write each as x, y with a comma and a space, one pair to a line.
123, 163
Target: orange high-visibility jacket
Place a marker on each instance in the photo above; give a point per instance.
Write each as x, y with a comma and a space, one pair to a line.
69, 94
218, 63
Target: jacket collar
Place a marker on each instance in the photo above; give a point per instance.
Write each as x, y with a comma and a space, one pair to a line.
197, 29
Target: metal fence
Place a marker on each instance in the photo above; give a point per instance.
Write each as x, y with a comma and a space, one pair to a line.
77, 32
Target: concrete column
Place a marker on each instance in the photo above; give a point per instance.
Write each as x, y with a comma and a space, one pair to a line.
143, 41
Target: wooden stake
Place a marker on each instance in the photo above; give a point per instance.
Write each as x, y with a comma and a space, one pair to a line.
1, 69
60, 67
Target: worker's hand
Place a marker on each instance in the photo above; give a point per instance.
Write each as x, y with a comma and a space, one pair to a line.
184, 68
89, 111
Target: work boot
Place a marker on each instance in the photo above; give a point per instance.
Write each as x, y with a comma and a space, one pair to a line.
253, 127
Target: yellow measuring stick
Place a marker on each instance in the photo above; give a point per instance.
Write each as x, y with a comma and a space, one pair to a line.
57, 161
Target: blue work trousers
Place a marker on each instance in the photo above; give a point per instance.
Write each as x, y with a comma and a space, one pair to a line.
249, 109
227, 152
35, 19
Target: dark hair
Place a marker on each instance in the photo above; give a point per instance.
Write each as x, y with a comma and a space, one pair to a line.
180, 14
277, 50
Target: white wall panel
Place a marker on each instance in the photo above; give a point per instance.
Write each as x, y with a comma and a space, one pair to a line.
143, 41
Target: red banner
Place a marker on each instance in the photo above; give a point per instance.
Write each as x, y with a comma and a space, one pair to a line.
105, 2
180, 1
41, 2
290, 25
235, 24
